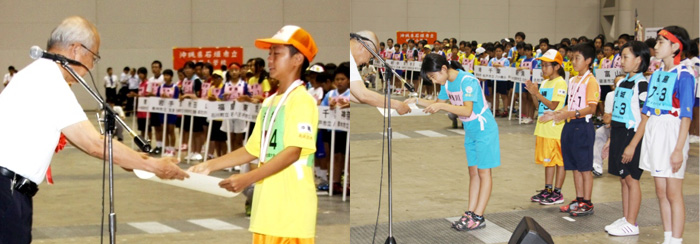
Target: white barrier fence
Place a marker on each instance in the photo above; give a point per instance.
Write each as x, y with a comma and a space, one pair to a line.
603, 76
329, 119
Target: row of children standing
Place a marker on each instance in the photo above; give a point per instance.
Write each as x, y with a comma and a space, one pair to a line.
650, 122
248, 83
649, 130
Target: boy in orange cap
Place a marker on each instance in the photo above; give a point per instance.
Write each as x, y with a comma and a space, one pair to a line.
284, 141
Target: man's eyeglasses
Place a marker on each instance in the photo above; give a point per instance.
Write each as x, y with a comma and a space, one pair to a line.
95, 57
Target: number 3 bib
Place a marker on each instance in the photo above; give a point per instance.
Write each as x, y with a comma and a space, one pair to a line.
661, 90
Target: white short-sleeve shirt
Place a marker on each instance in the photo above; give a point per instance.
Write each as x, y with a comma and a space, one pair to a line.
354, 72
112, 83
609, 102
34, 110
154, 83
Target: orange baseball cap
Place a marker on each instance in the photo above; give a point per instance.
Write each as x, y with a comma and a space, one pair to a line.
552, 56
291, 35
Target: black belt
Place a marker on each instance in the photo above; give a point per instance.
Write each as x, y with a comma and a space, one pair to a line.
19, 183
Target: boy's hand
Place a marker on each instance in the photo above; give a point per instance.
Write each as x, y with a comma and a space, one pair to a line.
236, 183
676, 160
560, 115
410, 100
547, 116
202, 168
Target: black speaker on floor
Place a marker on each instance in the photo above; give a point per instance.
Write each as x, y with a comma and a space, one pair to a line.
529, 232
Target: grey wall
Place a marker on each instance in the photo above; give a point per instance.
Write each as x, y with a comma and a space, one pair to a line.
478, 19
490, 20
136, 32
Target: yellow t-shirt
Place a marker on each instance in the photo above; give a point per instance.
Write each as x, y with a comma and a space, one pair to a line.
265, 83
555, 91
285, 204
569, 67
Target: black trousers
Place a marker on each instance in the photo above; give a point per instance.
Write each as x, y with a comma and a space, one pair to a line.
15, 215
111, 94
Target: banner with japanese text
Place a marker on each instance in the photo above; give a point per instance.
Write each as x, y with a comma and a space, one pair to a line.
216, 56
403, 36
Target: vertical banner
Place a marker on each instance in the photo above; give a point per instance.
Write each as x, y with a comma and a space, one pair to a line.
217, 56
403, 36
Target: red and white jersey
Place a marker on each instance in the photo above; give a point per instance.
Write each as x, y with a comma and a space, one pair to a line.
205, 89
188, 86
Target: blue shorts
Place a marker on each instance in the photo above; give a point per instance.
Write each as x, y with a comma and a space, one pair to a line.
482, 147
577, 139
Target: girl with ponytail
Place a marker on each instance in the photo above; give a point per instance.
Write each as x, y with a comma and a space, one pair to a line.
466, 100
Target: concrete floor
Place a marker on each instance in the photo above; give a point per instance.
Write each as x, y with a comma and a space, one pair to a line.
69, 211
431, 183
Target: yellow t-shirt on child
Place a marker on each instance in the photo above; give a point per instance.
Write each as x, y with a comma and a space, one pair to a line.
285, 203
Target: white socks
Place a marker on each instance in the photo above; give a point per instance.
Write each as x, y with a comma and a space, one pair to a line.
676, 240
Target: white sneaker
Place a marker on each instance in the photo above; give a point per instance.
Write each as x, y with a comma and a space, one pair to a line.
597, 169
197, 157
625, 229
617, 222
693, 139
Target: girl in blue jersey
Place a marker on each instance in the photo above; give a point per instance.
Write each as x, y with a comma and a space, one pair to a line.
669, 106
466, 100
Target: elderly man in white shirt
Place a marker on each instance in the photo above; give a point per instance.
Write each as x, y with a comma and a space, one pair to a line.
358, 91
22, 167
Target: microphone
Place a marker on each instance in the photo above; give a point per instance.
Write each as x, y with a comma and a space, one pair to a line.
35, 52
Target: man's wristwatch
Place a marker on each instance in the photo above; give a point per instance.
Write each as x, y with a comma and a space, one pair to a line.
578, 114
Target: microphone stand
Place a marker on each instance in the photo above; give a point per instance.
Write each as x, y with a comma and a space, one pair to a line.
387, 105
109, 120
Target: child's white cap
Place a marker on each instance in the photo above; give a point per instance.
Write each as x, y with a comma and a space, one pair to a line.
480, 50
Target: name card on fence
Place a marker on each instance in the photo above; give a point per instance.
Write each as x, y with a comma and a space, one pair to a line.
251, 111
342, 117
201, 108
220, 110
520, 76
171, 106
537, 76
607, 76
188, 106
156, 104
143, 104
326, 118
